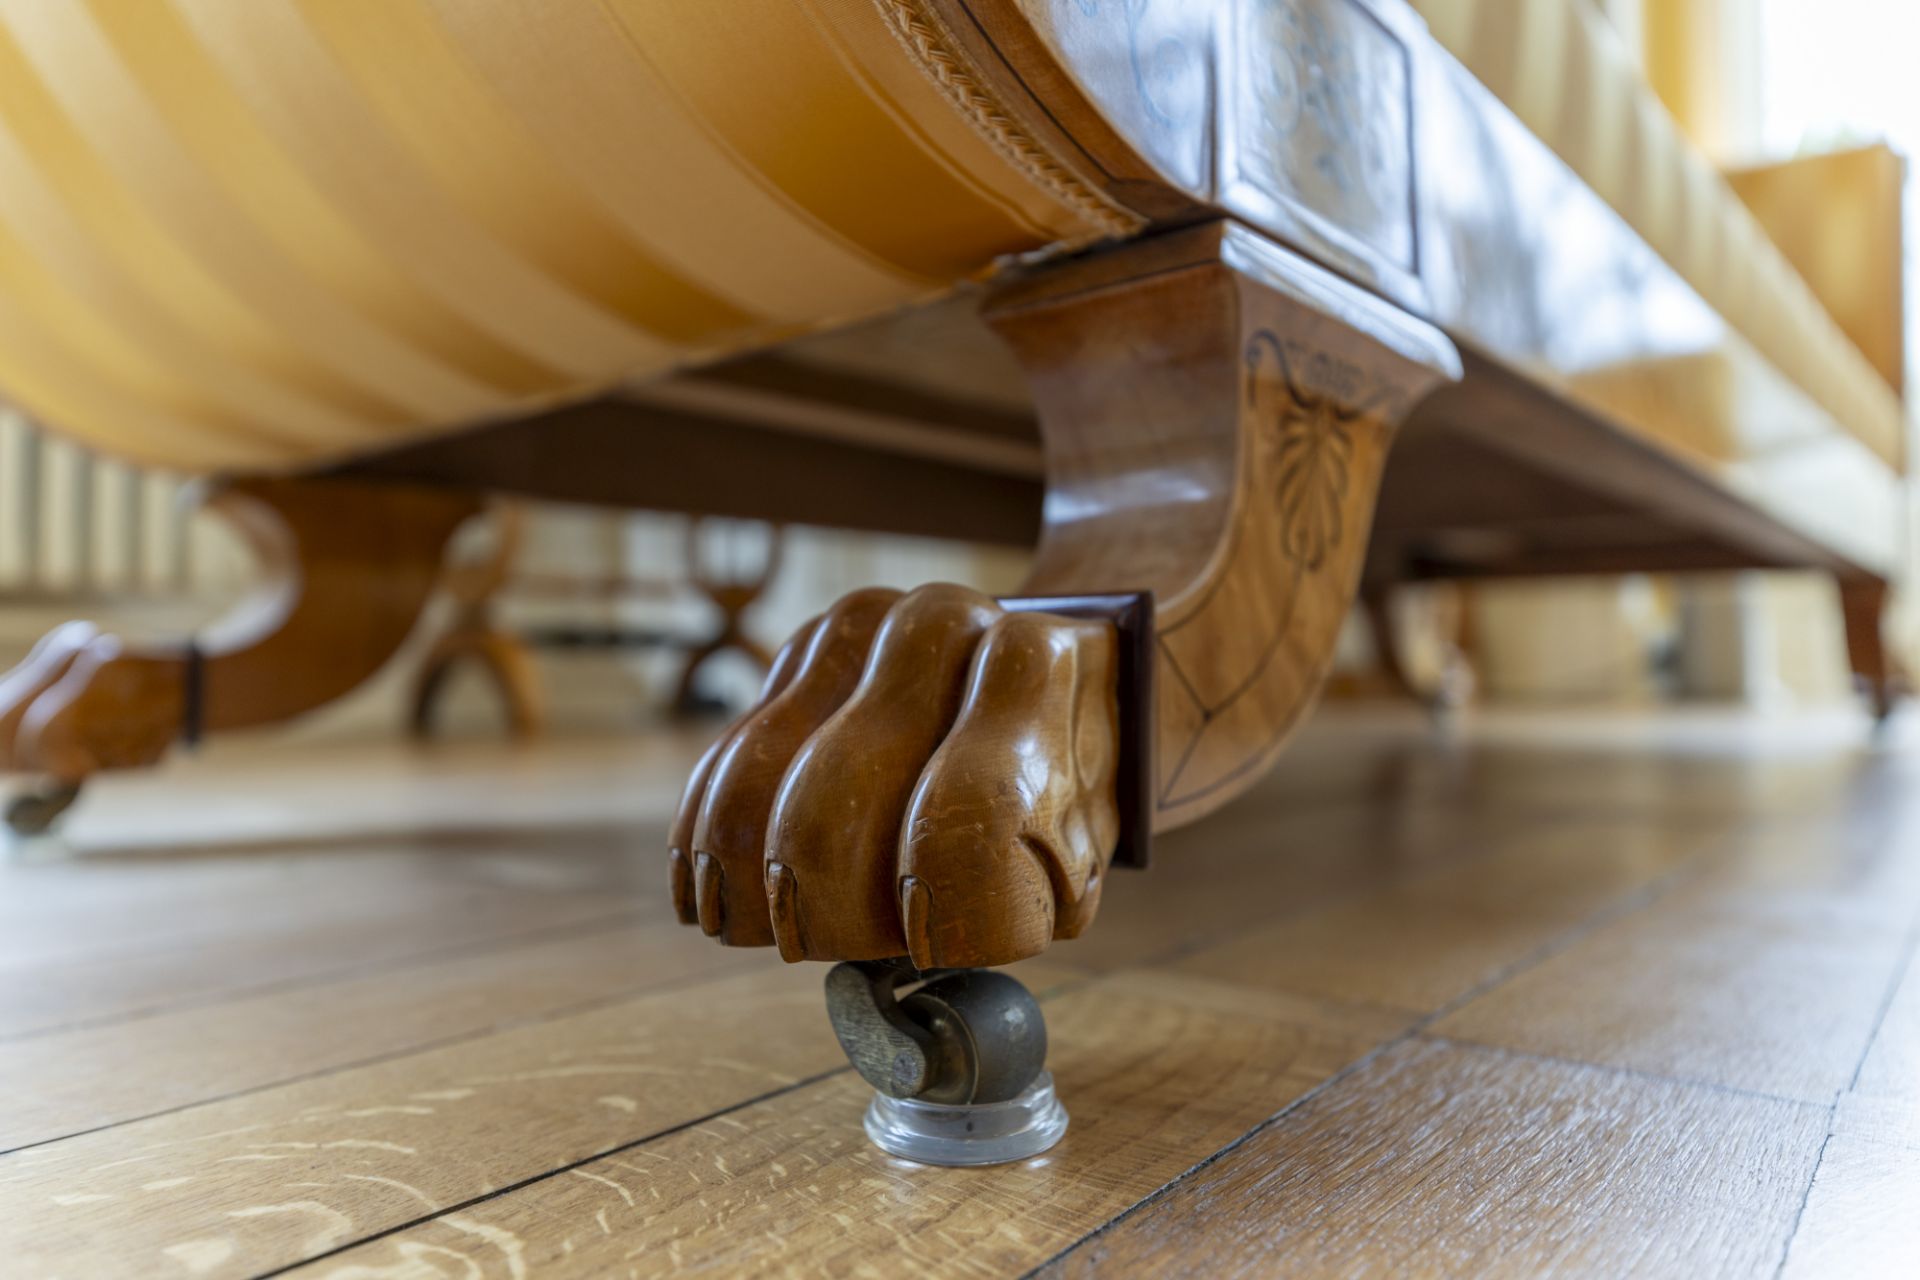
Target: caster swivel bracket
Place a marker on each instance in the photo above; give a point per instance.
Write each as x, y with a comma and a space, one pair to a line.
958, 1065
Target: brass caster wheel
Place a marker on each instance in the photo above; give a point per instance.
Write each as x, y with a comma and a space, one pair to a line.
958, 1066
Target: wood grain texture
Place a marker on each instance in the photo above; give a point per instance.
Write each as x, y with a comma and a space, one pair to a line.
256, 1182
1157, 1071
927, 775
1216, 413
1859, 1219
1767, 973
1175, 111
1214, 1128
729, 804
1467, 921
103, 937
1441, 1159
321, 1027
1303, 118
1280, 869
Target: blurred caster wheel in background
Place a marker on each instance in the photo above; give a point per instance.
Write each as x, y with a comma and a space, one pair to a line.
34, 811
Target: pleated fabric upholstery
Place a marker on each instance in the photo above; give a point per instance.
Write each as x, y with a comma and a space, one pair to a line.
262, 234
1564, 72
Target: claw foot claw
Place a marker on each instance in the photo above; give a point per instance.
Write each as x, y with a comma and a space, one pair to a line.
80, 703
926, 775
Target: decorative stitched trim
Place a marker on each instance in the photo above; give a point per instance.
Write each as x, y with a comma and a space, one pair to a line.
922, 34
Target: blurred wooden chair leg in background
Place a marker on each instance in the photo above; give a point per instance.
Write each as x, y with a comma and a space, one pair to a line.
1450, 687
475, 636
732, 596
507, 657
1878, 672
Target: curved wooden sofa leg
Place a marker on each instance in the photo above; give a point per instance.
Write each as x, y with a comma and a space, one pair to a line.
347, 569
1217, 415
1863, 607
934, 775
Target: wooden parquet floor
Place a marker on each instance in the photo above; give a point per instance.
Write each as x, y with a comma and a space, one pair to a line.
1600, 997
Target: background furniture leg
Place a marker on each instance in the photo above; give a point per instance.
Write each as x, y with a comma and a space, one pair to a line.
1449, 690
1863, 606
732, 597
473, 635
347, 568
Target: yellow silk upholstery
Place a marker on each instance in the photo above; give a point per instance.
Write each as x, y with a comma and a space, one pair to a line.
1564, 73
266, 233
263, 234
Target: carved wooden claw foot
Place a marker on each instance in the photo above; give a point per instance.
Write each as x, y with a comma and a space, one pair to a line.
77, 704
80, 703
929, 775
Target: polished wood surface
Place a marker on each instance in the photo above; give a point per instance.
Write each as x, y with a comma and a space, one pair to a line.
345, 571
1601, 994
1344, 129
1217, 414
1570, 1156
1536, 483
617, 451
927, 775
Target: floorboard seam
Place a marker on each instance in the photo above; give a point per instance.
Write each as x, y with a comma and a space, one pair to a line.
542, 1176
585, 927
427, 1046
1618, 1069
1353, 893
1065, 986
101, 858
1909, 949
1690, 864
1722, 844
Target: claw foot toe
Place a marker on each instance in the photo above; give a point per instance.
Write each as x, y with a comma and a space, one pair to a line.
81, 703
925, 775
